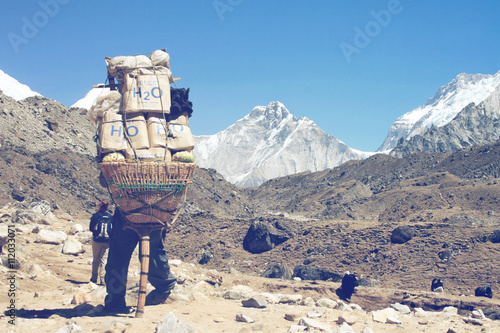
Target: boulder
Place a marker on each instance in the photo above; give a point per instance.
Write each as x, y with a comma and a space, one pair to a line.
29, 217
495, 236
206, 256
264, 235
75, 228
484, 291
257, 301
383, 315
278, 271
402, 234
72, 246
436, 283
46, 236
492, 313
314, 273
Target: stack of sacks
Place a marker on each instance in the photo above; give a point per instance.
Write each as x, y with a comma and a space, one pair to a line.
147, 119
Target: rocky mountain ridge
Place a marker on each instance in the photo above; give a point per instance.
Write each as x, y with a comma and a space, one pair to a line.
474, 125
439, 110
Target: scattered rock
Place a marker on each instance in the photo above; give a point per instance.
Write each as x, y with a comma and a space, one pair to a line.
484, 291
495, 236
72, 246
264, 235
29, 217
346, 318
75, 228
51, 237
312, 325
206, 256
404, 309
492, 313
244, 318
292, 316
278, 271
450, 310
85, 237
297, 328
81, 297
402, 234
345, 328
327, 303
382, 316
257, 301
170, 324
315, 273
290, 299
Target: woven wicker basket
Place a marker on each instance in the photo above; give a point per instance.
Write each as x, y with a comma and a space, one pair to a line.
147, 192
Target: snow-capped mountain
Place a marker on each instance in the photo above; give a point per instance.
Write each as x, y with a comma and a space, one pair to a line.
448, 101
270, 142
473, 125
13, 88
89, 99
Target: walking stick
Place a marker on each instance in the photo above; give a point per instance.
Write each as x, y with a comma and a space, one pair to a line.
144, 234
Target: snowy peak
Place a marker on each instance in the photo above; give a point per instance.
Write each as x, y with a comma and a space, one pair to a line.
270, 116
439, 110
275, 110
13, 88
89, 99
267, 143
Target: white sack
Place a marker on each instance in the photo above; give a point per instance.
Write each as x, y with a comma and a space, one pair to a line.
160, 58
121, 65
107, 102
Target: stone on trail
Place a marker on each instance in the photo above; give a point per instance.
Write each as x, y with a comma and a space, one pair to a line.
382, 315
255, 302
170, 324
345, 328
46, 236
75, 228
72, 246
313, 325
244, 318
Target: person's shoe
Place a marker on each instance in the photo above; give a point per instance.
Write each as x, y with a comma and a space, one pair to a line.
117, 307
93, 280
157, 297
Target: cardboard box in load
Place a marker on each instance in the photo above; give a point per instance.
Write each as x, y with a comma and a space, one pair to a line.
179, 137
136, 131
111, 132
157, 130
150, 155
146, 93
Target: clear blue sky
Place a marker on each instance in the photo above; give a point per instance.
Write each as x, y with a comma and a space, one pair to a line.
353, 67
